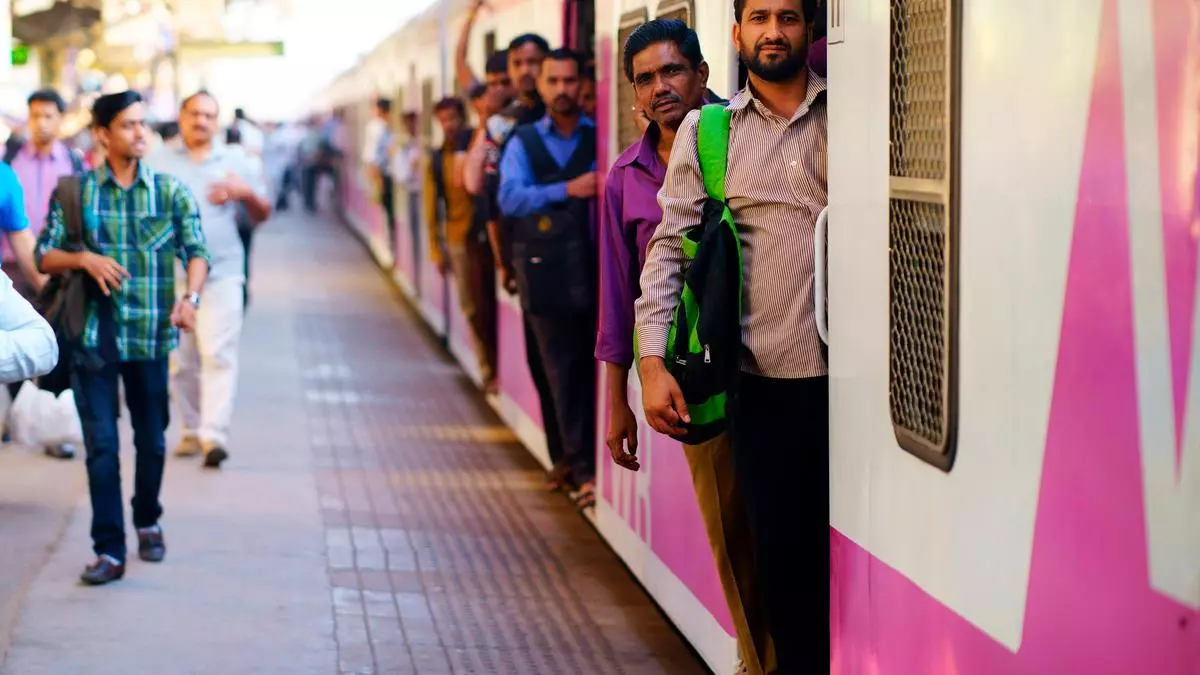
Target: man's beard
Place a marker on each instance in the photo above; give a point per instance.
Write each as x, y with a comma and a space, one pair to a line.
777, 71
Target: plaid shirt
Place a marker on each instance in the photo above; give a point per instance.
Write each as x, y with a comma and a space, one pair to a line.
144, 228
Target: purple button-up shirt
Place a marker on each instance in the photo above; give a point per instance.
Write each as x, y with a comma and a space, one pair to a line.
39, 175
628, 219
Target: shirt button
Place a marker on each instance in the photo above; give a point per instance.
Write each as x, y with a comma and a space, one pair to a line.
793, 162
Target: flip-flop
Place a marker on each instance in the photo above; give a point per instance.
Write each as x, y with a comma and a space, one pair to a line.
585, 498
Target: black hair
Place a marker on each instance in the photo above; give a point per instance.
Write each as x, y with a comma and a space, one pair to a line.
48, 96
451, 103
383, 105
238, 113
564, 54
233, 136
202, 93
107, 107
662, 30
497, 62
168, 130
528, 38
477, 92
809, 9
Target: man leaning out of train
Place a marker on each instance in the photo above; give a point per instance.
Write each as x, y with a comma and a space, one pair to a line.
779, 418
666, 69
548, 188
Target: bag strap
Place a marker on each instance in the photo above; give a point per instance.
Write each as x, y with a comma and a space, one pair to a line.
712, 145
69, 198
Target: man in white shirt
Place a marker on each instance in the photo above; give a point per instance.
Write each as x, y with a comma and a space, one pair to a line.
377, 163
406, 171
28, 348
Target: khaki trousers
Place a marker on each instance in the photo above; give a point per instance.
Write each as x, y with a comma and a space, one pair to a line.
474, 276
725, 520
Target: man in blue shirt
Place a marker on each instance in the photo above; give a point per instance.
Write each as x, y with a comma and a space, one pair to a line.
548, 189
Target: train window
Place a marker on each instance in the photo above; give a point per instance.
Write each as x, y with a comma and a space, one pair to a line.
683, 10
923, 227
627, 130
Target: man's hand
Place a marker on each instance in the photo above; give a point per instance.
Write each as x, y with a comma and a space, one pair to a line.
583, 187
508, 281
183, 315
231, 189
622, 434
106, 271
662, 399
39, 282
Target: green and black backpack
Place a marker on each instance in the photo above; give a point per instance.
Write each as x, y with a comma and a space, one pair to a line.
705, 339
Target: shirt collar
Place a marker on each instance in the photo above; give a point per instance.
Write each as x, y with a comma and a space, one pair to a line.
218, 151
145, 175
644, 152
546, 125
58, 150
816, 88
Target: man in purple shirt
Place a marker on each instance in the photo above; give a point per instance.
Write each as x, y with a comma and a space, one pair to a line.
669, 76
38, 163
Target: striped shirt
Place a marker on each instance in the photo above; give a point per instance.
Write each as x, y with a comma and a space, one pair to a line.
775, 186
144, 228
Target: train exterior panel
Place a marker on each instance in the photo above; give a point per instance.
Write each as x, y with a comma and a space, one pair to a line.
1034, 510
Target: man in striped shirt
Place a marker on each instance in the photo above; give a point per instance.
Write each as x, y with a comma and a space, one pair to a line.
776, 189
135, 223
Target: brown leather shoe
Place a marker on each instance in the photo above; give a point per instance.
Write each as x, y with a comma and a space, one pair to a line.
106, 569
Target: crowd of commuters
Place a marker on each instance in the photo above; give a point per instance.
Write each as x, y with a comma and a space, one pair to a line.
599, 271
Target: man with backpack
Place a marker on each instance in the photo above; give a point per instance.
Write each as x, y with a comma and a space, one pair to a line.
38, 162
664, 64
548, 189
732, 341
112, 238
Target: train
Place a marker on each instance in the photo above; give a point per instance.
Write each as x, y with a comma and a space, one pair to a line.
1012, 283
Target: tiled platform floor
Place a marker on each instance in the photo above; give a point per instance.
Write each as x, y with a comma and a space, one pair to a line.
375, 517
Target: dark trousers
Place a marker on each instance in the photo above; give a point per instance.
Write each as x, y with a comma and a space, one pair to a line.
781, 457
414, 231
387, 201
96, 397
537, 373
566, 346
247, 236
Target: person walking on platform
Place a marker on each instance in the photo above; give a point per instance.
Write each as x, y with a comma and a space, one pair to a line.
666, 68
228, 182
135, 221
38, 163
776, 189
548, 188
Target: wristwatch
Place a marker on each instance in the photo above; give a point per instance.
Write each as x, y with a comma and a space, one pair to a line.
193, 298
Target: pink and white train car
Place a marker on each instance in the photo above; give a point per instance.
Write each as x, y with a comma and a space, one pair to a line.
1012, 293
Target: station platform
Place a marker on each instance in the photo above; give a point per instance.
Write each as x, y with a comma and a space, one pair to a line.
375, 517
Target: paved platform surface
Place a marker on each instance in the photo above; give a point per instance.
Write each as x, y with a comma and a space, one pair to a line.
375, 517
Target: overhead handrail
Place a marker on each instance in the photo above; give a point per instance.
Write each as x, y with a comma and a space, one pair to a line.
819, 240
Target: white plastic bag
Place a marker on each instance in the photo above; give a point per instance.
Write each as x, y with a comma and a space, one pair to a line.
39, 418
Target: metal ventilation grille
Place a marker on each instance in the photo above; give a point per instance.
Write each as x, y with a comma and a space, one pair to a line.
627, 131
922, 230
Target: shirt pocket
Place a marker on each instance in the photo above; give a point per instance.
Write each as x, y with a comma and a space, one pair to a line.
154, 233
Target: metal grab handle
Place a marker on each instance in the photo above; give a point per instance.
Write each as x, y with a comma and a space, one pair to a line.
819, 238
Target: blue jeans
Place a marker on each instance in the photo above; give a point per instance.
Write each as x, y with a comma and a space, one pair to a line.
96, 397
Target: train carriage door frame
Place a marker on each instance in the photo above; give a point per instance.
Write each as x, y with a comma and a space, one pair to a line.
627, 131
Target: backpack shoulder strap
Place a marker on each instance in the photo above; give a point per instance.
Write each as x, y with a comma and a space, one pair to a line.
712, 145
540, 160
69, 198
